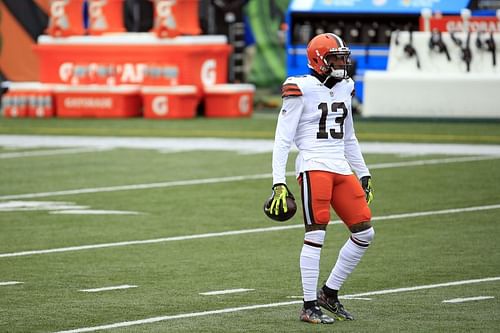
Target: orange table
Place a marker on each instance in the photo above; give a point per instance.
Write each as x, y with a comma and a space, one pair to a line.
127, 59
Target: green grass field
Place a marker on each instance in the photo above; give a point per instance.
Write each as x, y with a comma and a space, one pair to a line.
195, 225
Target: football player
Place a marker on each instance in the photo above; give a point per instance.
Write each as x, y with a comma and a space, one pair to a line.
316, 115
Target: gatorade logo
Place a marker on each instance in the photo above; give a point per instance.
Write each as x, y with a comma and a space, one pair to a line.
159, 105
124, 73
244, 104
208, 72
96, 15
58, 13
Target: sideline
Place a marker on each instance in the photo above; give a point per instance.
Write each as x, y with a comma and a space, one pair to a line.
238, 232
271, 305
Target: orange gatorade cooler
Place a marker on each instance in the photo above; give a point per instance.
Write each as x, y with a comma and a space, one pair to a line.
165, 18
66, 18
97, 101
170, 102
229, 100
14, 105
176, 17
28, 99
105, 16
187, 16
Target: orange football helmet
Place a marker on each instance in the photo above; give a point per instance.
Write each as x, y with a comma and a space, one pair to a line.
324, 45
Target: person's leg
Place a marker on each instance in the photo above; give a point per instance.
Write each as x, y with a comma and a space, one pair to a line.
316, 204
349, 203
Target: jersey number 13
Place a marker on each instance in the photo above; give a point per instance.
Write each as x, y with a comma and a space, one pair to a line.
335, 107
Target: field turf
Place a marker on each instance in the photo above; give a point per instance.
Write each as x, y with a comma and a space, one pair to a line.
172, 225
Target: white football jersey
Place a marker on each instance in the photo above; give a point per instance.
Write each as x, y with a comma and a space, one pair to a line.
319, 121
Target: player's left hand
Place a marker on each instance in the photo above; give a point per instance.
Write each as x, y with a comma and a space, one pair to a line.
366, 183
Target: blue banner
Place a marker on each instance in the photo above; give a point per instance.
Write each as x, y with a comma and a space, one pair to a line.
378, 6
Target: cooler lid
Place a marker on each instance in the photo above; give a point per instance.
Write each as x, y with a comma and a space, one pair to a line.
175, 90
133, 38
229, 88
29, 86
96, 88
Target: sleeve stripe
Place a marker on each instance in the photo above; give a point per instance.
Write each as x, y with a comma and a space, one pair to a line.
288, 94
290, 89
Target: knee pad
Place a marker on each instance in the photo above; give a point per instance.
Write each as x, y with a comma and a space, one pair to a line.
322, 216
315, 238
363, 238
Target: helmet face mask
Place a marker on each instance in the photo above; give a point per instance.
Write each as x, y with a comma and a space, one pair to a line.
339, 63
328, 55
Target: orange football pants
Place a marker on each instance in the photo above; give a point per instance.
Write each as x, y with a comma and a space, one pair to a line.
322, 189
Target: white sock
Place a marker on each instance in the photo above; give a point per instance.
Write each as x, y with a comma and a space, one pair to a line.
349, 257
309, 262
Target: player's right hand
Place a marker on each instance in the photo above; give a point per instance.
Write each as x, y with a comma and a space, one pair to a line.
366, 183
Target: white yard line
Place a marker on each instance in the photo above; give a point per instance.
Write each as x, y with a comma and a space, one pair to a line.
137, 186
51, 152
9, 283
235, 145
96, 290
237, 232
262, 306
227, 291
228, 179
467, 299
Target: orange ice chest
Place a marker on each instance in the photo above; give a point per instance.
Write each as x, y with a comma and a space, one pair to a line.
229, 100
98, 101
28, 99
170, 102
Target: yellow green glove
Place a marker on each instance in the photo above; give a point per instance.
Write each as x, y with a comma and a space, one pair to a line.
366, 183
280, 192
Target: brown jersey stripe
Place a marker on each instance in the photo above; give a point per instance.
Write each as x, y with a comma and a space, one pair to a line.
290, 89
294, 85
289, 94
289, 86
286, 88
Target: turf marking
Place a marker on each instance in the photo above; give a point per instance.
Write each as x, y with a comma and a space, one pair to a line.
341, 297
94, 212
468, 299
228, 291
9, 283
56, 207
237, 232
270, 305
236, 145
228, 179
357, 298
51, 152
96, 290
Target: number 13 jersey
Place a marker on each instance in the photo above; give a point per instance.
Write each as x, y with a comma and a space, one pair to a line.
319, 121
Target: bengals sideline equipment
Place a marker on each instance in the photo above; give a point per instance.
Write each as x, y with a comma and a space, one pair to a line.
324, 45
280, 206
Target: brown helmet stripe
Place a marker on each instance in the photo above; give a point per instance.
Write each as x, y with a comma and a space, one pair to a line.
339, 40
